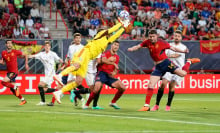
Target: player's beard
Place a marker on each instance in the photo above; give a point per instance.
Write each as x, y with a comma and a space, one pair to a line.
176, 41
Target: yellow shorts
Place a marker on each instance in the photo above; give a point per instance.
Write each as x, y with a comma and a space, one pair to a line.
83, 58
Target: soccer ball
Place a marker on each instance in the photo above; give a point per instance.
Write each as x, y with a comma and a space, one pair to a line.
124, 15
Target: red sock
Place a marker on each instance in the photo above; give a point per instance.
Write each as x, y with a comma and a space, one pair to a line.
91, 97
7, 84
186, 67
20, 96
117, 96
149, 95
53, 100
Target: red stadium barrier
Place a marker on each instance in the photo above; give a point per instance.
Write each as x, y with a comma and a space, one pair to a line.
135, 84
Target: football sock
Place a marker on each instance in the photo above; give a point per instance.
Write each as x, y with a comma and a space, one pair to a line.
19, 96
149, 95
91, 97
186, 67
159, 95
117, 96
68, 70
96, 98
114, 28
49, 90
53, 99
8, 84
170, 97
41, 90
116, 35
69, 86
77, 93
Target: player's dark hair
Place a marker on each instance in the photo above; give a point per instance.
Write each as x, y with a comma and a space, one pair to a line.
76, 34
7, 41
152, 32
117, 41
178, 32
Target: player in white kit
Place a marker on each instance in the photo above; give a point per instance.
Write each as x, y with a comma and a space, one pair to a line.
49, 60
179, 60
90, 80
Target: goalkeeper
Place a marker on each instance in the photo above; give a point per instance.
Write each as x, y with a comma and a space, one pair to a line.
79, 62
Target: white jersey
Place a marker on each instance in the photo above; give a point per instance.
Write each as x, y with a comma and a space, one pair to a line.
92, 66
49, 61
73, 49
179, 61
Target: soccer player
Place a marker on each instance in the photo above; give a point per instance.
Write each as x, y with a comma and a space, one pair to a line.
179, 60
49, 60
79, 63
157, 49
9, 56
106, 72
90, 80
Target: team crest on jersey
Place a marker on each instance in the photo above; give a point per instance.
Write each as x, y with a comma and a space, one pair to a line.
12, 54
156, 46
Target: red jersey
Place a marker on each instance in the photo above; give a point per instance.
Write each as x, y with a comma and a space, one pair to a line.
106, 67
11, 60
157, 50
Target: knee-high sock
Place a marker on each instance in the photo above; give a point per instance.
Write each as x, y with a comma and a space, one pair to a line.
170, 98
159, 95
116, 35
68, 70
114, 28
96, 98
8, 84
69, 87
41, 90
77, 93
186, 67
91, 97
149, 95
19, 96
117, 96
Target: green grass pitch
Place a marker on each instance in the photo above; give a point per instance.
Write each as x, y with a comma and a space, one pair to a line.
191, 113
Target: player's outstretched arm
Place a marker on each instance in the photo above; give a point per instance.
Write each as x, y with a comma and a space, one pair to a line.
179, 50
2, 61
26, 61
134, 48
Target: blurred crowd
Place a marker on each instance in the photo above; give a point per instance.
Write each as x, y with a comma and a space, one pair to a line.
197, 19
21, 19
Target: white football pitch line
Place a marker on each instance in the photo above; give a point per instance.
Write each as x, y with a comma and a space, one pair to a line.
117, 116
150, 131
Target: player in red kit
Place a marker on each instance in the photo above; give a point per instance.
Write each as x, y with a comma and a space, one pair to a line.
162, 63
9, 56
107, 69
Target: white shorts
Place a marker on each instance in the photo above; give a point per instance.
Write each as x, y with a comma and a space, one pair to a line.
90, 78
48, 80
71, 78
173, 77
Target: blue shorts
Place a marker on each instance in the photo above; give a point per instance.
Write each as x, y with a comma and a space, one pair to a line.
105, 78
12, 76
163, 67
64, 79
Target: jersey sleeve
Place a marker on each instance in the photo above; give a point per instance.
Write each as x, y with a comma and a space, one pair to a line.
166, 45
56, 57
38, 56
2, 56
18, 52
144, 43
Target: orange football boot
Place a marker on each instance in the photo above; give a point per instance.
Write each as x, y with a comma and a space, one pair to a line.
23, 102
194, 60
145, 108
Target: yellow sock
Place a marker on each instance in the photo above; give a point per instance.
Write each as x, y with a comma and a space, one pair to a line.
116, 35
114, 28
68, 70
69, 86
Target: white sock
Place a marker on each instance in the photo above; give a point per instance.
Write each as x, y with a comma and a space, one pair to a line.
146, 105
